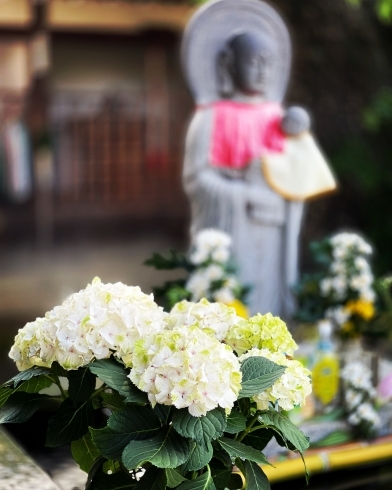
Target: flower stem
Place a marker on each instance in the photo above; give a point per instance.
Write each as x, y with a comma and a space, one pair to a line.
58, 383
98, 391
249, 427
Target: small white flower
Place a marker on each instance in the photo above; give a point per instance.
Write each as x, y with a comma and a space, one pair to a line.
365, 413
368, 294
211, 244
223, 295
353, 399
214, 272
221, 255
338, 314
357, 375
326, 286
198, 285
361, 282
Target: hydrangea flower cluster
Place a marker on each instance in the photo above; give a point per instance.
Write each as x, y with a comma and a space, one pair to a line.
186, 358
215, 318
90, 324
187, 368
349, 274
214, 276
291, 389
261, 332
360, 397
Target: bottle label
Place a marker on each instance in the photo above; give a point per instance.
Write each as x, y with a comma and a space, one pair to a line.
325, 379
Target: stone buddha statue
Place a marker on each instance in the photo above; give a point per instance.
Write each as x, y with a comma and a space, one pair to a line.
249, 163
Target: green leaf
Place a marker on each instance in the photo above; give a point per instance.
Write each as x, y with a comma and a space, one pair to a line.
27, 374
58, 370
259, 438
112, 466
286, 428
115, 376
123, 426
221, 454
114, 401
258, 374
81, 385
174, 260
20, 406
34, 385
236, 422
199, 457
236, 482
220, 474
203, 482
201, 429
255, 477
153, 479
173, 478
238, 450
95, 471
165, 450
5, 393
69, 423
117, 481
163, 412
244, 406
84, 452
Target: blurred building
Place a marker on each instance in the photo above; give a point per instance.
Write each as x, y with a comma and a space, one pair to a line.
98, 85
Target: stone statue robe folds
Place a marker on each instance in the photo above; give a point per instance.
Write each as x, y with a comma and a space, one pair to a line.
222, 176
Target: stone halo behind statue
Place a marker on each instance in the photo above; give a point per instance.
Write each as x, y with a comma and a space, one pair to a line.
215, 25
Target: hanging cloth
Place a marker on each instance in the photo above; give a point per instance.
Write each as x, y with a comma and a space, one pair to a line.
18, 166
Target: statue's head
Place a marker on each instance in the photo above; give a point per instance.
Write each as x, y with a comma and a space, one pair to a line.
245, 64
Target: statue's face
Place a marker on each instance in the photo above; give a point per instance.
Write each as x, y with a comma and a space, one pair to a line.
252, 62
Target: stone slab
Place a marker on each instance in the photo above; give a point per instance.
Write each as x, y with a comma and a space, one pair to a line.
17, 470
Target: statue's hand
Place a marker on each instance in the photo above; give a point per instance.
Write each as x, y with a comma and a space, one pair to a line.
295, 121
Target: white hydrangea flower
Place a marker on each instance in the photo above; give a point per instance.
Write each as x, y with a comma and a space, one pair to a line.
187, 368
291, 389
261, 332
216, 318
93, 323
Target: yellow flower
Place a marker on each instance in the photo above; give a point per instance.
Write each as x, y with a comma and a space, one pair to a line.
360, 307
240, 308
